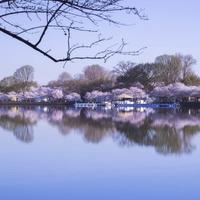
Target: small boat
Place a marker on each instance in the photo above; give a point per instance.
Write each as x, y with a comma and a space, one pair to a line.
150, 105
85, 105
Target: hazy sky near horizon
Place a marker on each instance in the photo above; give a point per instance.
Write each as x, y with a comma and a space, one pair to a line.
173, 27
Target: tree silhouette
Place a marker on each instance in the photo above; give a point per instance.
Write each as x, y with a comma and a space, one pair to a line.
30, 22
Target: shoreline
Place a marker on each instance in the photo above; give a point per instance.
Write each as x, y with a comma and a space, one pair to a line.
97, 104
64, 104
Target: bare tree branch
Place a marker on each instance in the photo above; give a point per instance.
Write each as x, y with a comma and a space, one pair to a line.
69, 17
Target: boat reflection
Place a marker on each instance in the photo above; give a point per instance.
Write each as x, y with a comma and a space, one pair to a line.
167, 131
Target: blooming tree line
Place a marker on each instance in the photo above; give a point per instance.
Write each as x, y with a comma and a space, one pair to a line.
96, 84
176, 90
40, 94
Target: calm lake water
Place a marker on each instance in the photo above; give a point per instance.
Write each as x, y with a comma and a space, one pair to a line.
60, 153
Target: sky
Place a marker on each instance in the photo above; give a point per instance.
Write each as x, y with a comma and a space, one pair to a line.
173, 27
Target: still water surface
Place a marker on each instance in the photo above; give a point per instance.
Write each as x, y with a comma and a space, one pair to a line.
60, 153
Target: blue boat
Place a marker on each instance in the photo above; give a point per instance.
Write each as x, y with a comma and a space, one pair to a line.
150, 105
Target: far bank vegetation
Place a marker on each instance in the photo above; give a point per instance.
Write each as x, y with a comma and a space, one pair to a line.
165, 70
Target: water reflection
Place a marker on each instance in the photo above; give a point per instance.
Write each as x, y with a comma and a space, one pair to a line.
169, 132
18, 122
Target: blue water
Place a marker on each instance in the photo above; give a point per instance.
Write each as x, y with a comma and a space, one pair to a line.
64, 154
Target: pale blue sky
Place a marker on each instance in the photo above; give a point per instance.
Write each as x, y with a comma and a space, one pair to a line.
173, 27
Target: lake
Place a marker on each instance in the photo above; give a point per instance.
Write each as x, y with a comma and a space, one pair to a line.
64, 153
